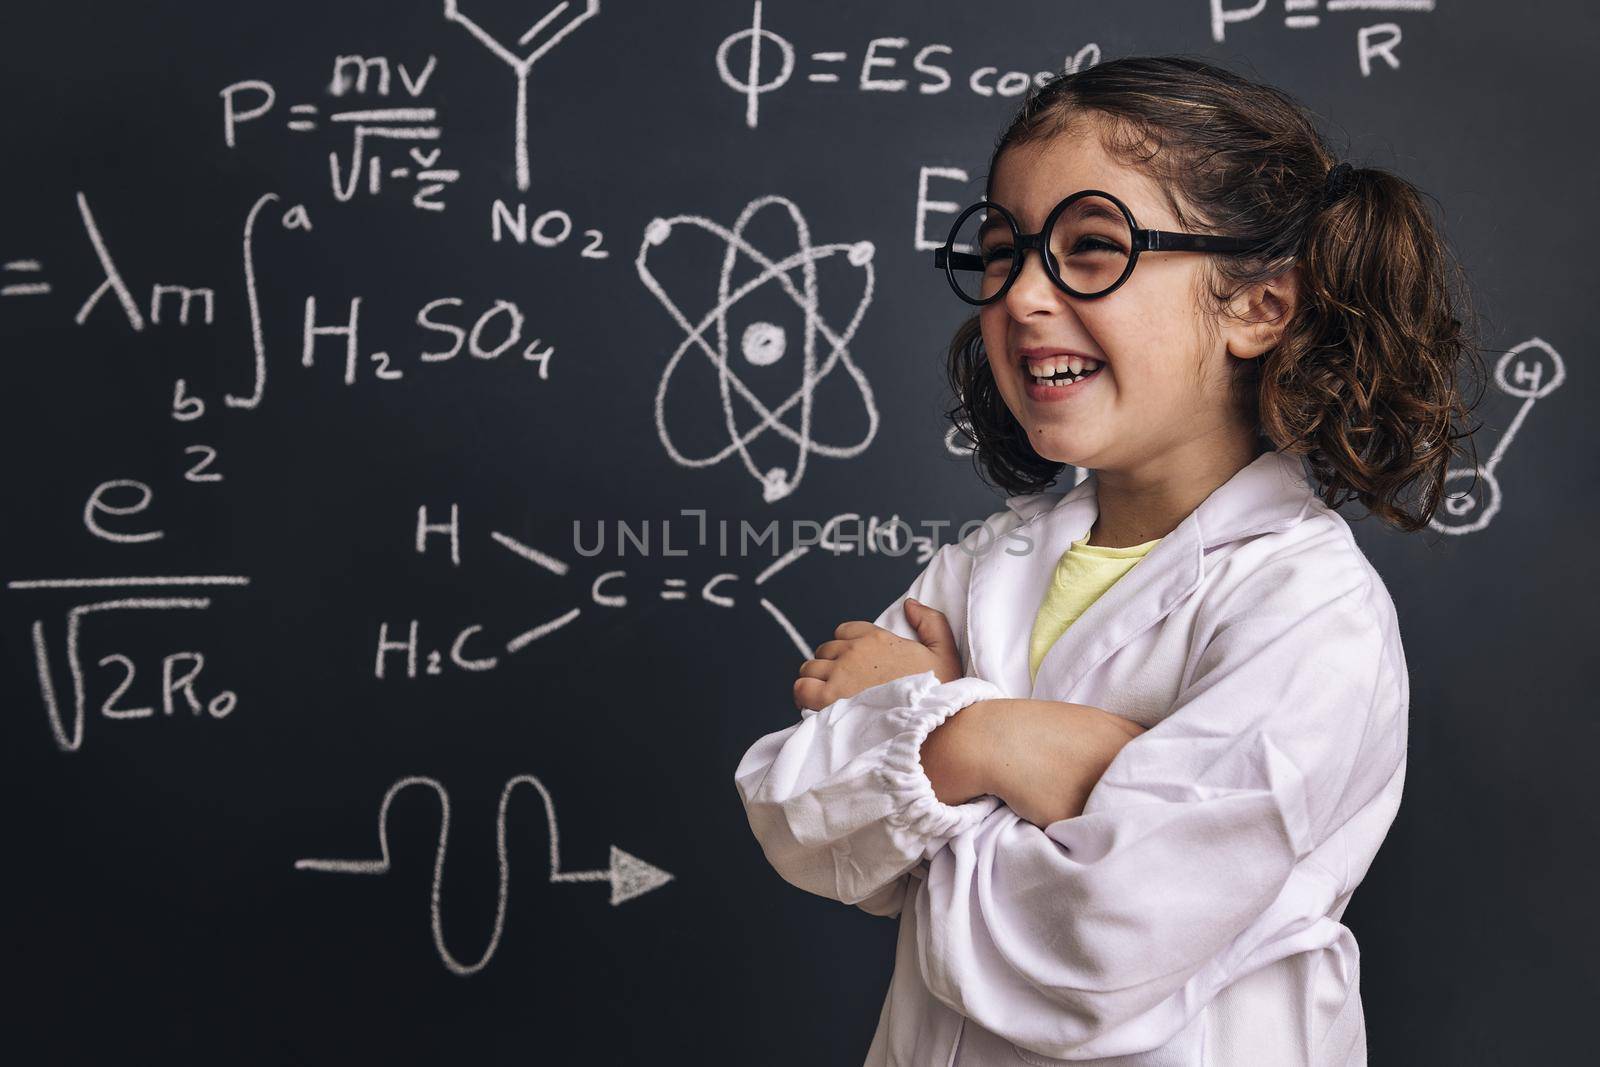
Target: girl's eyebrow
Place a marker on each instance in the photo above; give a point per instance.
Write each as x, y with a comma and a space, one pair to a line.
1095, 208
993, 222
1085, 208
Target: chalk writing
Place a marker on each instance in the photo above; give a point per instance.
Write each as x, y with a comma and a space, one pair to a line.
627, 875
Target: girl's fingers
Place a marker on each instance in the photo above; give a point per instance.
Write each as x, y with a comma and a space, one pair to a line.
831, 649
811, 693
819, 669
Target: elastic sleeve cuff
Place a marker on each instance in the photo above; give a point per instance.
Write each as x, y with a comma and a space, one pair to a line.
915, 808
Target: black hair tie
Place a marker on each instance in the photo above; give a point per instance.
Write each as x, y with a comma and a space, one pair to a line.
1340, 179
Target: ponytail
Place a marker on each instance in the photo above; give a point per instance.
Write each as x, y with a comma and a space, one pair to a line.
1364, 382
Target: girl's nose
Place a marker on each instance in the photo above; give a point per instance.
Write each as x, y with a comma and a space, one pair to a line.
1033, 290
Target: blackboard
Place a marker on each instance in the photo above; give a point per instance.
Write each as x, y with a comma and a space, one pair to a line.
258, 606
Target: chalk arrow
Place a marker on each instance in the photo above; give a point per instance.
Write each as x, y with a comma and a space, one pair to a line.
629, 876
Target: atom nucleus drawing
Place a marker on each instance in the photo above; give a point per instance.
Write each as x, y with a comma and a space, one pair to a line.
763, 343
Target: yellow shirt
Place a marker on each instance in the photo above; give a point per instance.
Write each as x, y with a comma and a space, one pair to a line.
1083, 573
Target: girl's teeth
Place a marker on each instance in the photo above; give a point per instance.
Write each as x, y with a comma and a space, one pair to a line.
1070, 369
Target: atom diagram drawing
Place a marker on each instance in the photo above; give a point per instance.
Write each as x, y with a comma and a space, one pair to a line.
764, 344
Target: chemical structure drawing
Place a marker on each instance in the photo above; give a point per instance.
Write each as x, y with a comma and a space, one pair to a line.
606, 590
551, 21
1531, 371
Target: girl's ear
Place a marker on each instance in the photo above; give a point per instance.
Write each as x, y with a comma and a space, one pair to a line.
1260, 313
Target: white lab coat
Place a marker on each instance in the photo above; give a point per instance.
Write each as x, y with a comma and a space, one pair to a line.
1189, 917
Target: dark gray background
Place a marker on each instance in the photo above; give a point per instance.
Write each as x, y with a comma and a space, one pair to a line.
154, 911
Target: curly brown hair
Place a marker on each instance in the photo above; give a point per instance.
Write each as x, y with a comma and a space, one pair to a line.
1367, 379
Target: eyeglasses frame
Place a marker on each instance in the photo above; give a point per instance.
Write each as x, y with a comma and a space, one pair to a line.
948, 259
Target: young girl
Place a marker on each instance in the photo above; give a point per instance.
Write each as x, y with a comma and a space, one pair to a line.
1119, 757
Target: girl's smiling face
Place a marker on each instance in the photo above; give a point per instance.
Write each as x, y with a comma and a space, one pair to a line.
1163, 384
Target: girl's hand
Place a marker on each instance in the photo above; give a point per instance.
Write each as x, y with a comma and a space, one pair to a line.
864, 655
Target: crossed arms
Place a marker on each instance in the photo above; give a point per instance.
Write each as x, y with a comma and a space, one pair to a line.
1041, 757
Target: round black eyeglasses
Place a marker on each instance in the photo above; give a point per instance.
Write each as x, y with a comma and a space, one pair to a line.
1091, 237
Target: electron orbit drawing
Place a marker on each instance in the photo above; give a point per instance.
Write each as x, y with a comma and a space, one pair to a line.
764, 343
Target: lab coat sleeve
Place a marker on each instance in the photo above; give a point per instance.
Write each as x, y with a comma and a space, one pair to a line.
838, 800
1105, 933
